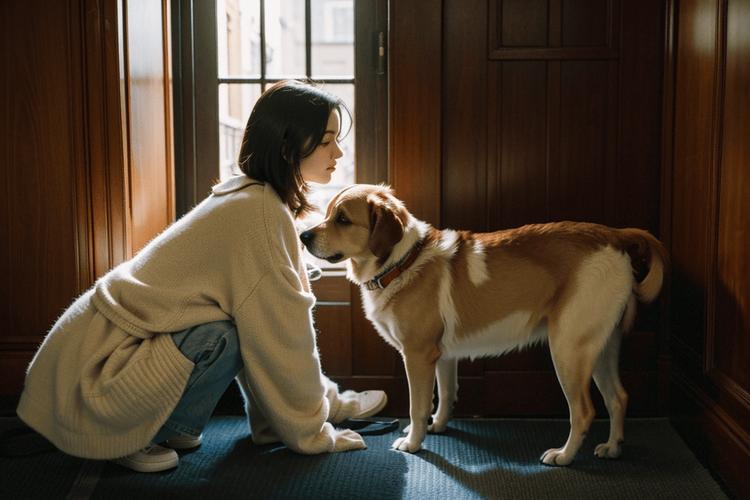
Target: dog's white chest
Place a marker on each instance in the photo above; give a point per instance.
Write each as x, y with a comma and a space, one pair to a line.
384, 329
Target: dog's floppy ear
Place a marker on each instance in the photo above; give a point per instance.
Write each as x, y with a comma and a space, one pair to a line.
385, 228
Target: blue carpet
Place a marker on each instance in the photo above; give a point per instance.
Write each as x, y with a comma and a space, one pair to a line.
473, 459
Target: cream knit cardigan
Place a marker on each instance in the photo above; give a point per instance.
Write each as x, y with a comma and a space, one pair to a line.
107, 377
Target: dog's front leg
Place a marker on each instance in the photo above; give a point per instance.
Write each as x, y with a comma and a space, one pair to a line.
420, 372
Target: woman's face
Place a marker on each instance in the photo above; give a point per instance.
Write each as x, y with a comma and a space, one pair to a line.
321, 163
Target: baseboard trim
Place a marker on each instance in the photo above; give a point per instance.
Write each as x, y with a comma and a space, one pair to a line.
713, 435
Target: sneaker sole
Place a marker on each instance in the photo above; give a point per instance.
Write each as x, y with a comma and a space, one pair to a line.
139, 466
375, 409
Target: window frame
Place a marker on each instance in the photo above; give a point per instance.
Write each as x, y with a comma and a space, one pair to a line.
196, 94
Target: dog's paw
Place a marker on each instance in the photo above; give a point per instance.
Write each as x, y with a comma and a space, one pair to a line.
438, 425
608, 450
405, 444
555, 457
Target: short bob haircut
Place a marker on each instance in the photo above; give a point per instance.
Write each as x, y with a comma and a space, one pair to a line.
287, 123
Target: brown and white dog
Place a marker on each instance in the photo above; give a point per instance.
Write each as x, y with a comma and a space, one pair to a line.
438, 296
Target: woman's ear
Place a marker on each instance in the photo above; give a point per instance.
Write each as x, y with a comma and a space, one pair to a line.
385, 229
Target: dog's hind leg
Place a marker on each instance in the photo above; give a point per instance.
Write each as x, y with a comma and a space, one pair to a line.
607, 378
574, 358
447, 382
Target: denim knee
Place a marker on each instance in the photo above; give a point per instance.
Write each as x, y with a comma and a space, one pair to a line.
205, 344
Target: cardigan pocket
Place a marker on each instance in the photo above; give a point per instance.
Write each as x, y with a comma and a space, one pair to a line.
140, 380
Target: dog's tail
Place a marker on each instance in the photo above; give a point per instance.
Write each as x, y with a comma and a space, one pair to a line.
649, 260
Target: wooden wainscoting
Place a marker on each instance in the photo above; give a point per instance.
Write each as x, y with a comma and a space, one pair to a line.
87, 147
707, 199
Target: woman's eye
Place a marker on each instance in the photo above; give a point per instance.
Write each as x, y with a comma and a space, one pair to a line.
341, 219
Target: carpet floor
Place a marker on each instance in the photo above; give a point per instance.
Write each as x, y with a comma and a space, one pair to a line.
479, 458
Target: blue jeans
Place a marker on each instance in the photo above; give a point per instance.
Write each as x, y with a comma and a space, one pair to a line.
214, 348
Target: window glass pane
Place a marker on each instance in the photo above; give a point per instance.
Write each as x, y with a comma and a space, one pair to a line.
332, 34
285, 38
235, 103
238, 34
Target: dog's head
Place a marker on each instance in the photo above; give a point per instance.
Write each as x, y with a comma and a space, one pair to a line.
363, 222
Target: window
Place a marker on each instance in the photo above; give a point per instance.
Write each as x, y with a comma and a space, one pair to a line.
226, 52
300, 39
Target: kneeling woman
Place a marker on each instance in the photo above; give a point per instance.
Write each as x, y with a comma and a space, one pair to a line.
142, 357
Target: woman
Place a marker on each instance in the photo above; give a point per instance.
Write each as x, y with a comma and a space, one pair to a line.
144, 355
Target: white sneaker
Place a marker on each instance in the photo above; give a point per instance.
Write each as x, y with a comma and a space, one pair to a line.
370, 403
184, 442
153, 458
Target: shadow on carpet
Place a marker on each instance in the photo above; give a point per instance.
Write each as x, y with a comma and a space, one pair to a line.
473, 459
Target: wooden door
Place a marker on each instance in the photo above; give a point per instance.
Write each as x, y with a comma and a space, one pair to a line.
87, 152
509, 112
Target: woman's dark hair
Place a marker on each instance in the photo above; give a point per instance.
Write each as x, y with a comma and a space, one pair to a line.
287, 123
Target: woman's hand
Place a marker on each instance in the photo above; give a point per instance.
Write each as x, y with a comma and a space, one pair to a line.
347, 440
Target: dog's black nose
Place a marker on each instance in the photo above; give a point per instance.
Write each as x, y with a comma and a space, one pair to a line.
307, 237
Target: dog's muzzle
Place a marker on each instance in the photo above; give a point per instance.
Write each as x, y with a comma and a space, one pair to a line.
308, 237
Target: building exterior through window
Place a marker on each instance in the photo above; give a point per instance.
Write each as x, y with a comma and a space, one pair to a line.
264, 41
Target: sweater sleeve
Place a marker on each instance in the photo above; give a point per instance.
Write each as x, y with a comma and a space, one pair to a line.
282, 366
277, 341
260, 428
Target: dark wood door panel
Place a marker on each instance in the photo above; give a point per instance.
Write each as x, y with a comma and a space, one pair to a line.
464, 138
694, 90
731, 337
519, 123
333, 323
577, 176
66, 171
586, 23
42, 157
563, 141
531, 129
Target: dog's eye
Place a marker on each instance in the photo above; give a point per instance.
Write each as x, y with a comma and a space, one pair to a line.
342, 219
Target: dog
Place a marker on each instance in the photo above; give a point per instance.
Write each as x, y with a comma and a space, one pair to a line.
441, 295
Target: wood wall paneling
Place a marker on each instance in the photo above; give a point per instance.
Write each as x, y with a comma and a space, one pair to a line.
558, 146
333, 323
65, 170
731, 335
585, 23
693, 129
106, 137
333, 319
521, 168
44, 251
464, 131
522, 23
577, 176
707, 199
415, 105
637, 175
